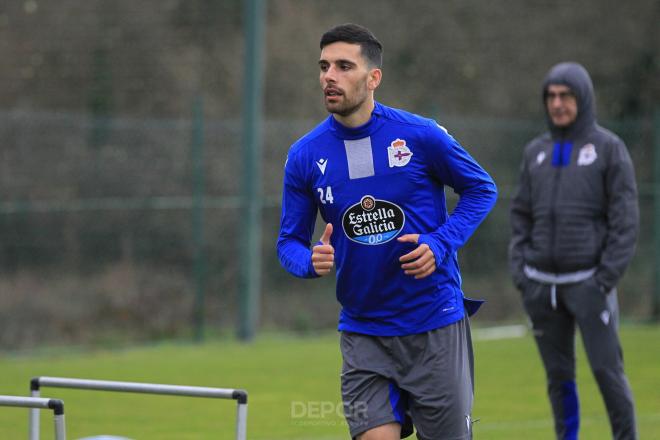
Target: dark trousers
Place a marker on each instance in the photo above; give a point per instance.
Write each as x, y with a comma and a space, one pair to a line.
596, 315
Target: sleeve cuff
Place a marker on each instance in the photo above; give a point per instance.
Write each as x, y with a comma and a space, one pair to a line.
439, 252
311, 273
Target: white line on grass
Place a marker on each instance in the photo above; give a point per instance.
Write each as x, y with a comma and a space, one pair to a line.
547, 423
500, 332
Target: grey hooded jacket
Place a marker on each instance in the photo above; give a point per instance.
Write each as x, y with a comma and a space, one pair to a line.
580, 212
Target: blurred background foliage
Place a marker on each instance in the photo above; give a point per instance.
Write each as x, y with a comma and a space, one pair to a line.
97, 124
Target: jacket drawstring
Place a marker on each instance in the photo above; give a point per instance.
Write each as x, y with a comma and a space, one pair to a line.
552, 279
553, 296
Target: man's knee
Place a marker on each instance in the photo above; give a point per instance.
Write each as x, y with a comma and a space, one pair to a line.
559, 374
611, 380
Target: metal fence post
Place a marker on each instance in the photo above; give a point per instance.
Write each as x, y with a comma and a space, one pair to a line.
250, 245
199, 258
655, 302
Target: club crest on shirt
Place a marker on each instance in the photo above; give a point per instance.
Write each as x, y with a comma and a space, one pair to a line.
398, 153
587, 155
372, 221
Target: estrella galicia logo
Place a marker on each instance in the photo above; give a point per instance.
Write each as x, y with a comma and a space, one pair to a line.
373, 221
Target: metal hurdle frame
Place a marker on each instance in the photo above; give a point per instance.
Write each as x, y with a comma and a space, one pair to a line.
37, 403
239, 395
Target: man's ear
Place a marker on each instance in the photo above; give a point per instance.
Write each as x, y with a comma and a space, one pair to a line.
373, 81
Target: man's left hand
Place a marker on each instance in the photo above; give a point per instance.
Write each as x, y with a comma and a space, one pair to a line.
419, 263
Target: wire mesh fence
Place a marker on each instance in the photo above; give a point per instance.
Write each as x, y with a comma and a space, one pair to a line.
97, 242
120, 198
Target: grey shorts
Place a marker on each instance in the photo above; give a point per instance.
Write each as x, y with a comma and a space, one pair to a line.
425, 380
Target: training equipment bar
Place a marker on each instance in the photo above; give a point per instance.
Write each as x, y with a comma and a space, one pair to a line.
146, 388
37, 403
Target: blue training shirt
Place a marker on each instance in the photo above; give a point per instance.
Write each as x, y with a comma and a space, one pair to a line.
374, 183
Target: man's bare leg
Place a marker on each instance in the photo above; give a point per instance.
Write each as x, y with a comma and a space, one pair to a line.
389, 431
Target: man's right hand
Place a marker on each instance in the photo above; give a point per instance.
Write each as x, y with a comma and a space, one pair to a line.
323, 255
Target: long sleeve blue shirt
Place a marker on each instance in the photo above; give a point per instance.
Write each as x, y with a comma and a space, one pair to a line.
374, 183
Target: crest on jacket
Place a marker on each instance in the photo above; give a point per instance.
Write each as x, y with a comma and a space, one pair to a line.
540, 158
587, 155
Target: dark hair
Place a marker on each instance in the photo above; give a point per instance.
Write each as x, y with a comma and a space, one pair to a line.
372, 50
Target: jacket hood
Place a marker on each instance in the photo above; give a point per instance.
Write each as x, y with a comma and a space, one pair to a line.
576, 77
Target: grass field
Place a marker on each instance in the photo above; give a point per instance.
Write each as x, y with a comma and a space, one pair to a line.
293, 384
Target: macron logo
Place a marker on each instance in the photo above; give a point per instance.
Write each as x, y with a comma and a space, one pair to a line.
322, 164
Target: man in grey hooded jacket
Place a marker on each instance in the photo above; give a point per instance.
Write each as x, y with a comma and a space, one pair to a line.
574, 225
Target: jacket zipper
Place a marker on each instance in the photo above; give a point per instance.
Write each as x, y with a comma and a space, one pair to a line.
553, 212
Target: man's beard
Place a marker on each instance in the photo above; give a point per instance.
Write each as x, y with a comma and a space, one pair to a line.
345, 110
348, 108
